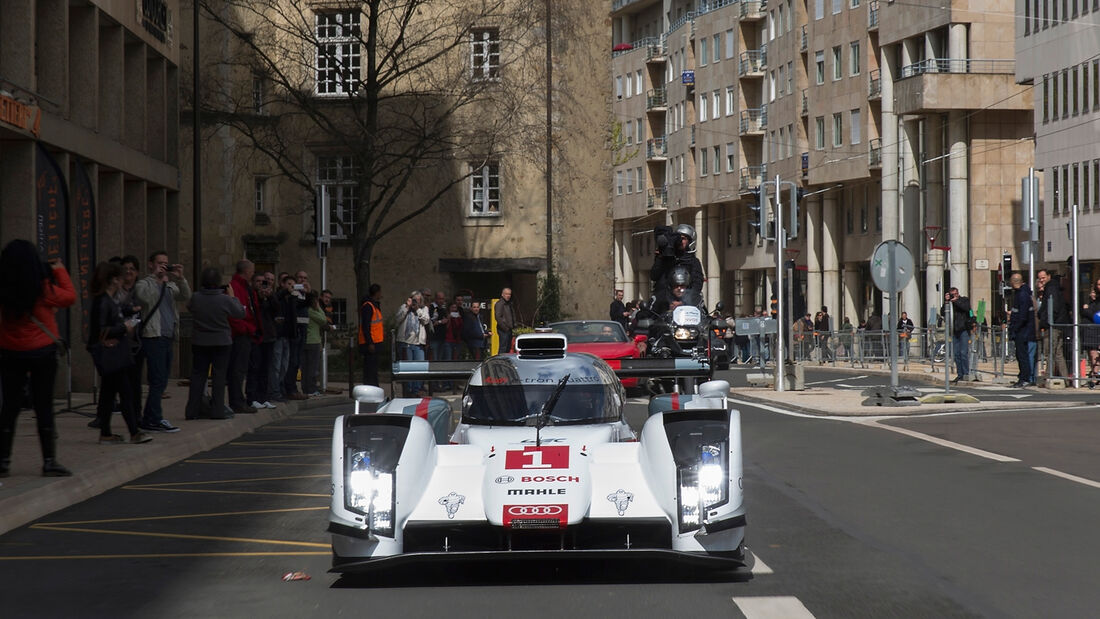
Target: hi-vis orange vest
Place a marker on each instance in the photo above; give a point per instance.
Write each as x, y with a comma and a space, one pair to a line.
376, 330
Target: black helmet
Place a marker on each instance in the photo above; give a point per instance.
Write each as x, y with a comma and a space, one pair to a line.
689, 232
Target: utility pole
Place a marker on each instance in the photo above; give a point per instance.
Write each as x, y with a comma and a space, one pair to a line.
196, 151
549, 143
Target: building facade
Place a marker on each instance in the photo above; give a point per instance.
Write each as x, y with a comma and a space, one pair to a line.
89, 135
1058, 54
895, 122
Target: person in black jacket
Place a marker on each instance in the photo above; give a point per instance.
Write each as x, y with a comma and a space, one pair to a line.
682, 256
473, 330
1052, 302
211, 341
959, 306
1021, 328
1090, 330
618, 311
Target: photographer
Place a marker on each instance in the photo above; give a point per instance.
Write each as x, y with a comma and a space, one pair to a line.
411, 321
959, 307
158, 292
675, 248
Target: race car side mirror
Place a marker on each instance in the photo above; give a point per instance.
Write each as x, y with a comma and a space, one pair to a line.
367, 394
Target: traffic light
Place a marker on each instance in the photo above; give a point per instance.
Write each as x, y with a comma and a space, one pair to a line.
756, 213
792, 225
1006, 268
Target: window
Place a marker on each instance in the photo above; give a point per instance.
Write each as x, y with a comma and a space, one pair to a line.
1076, 84
704, 168
779, 18
790, 16
340, 312
258, 193
1076, 186
731, 157
1084, 88
863, 217
702, 108
819, 9
781, 146
1046, 98
715, 42
849, 223
838, 67
1065, 93
838, 5
1065, 189
1054, 96
703, 52
1096, 84
731, 102
638, 82
854, 4
638, 128
1056, 195
618, 87
629, 181
485, 190
485, 54
819, 132
338, 186
729, 44
618, 182
819, 63
715, 104
771, 85
1096, 182
853, 58
338, 59
790, 77
771, 146
259, 92
638, 175
629, 85
717, 159
838, 129
856, 126
629, 132
1085, 185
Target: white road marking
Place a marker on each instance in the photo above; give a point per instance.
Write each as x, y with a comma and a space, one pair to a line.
836, 380
760, 568
772, 607
1056, 473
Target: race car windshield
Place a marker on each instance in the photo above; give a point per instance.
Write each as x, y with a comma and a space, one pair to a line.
588, 332
515, 404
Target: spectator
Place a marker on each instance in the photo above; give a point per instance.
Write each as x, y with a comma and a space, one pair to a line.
1052, 302
129, 306
326, 306
453, 332
212, 308
618, 312
256, 388
301, 317
107, 329
30, 292
437, 337
1090, 336
473, 332
905, 334
371, 333
311, 355
245, 331
286, 332
158, 293
959, 306
1021, 328
505, 315
410, 322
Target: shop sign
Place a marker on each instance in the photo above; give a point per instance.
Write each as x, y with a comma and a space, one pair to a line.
20, 115
156, 18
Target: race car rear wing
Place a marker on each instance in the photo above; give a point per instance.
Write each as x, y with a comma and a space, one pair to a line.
433, 370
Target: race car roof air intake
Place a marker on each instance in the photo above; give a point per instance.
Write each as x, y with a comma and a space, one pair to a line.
541, 346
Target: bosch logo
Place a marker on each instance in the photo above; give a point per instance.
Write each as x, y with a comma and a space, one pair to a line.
505, 479
534, 510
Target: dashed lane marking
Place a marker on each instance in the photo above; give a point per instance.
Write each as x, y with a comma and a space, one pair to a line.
201, 491
836, 380
182, 516
251, 463
169, 556
226, 481
213, 538
285, 442
1056, 473
772, 607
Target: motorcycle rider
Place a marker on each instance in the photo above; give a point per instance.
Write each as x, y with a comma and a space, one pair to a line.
681, 293
682, 256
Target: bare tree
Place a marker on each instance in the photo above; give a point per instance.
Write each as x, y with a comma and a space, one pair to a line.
415, 95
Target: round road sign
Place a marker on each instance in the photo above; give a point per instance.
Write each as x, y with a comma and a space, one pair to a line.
891, 266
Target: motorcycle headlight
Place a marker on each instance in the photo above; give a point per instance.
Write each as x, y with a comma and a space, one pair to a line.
683, 333
369, 491
701, 451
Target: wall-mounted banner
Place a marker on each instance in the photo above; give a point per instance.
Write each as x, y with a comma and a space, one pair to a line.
84, 203
52, 203
22, 116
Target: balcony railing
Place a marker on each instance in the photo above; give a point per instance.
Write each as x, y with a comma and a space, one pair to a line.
683, 19
753, 61
656, 99
752, 9
805, 103
872, 15
656, 148
656, 198
805, 40
629, 46
751, 177
874, 155
706, 6
754, 120
874, 86
959, 65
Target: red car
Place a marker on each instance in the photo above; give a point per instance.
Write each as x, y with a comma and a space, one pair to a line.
605, 339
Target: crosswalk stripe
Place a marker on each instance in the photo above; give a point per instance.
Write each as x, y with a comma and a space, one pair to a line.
772, 607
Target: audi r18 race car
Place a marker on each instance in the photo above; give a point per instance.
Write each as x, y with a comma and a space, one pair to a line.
541, 462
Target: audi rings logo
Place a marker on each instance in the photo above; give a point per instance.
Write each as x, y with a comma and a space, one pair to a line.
535, 510
505, 479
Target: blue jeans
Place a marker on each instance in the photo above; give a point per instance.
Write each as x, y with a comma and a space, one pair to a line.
961, 346
411, 352
280, 357
1025, 358
158, 359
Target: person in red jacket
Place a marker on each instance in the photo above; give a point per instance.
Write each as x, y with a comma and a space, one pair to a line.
30, 292
246, 331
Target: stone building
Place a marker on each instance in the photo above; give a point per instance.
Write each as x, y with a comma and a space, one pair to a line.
895, 121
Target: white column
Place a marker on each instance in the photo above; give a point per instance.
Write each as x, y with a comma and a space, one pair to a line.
958, 200
830, 256
911, 233
813, 253
630, 278
889, 145
851, 308
617, 254
711, 263
933, 199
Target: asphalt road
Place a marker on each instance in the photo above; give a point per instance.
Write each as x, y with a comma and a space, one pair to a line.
846, 520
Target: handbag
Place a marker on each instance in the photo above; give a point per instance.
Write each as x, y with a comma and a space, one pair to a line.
109, 359
62, 346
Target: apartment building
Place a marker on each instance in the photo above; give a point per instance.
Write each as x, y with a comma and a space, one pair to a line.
1058, 54
89, 132
896, 122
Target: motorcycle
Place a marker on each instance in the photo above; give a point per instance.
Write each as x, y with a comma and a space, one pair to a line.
682, 332
718, 339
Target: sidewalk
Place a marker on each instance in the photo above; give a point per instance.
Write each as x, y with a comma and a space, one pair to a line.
26, 495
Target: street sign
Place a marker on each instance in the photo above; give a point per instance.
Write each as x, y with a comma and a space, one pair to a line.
893, 253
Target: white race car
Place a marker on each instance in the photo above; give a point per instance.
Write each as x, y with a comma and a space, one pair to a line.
541, 461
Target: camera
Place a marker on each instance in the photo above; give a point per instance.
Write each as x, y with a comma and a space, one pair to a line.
299, 286
668, 241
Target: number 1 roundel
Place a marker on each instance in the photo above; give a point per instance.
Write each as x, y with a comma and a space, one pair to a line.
538, 458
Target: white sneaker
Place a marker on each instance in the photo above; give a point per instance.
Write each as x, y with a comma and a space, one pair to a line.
256, 404
268, 405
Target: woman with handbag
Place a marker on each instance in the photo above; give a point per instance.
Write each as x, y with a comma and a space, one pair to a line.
30, 292
109, 337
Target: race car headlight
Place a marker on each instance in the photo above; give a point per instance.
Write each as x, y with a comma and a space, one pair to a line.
369, 491
700, 448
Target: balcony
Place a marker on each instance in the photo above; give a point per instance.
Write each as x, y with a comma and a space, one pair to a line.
753, 62
753, 121
805, 165
805, 103
656, 199
874, 86
752, 10
688, 17
751, 176
656, 149
872, 15
944, 84
656, 100
874, 154
656, 50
